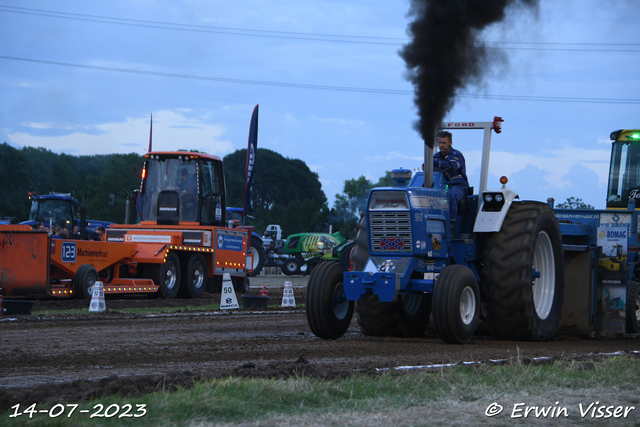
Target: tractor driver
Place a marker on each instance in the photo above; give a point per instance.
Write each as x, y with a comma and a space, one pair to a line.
186, 184
453, 160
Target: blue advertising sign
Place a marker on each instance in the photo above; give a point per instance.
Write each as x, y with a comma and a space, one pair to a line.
230, 243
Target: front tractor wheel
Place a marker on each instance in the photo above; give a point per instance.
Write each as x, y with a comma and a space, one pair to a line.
166, 276
291, 266
329, 312
524, 274
456, 304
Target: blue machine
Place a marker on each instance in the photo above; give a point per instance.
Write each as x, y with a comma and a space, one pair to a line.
504, 261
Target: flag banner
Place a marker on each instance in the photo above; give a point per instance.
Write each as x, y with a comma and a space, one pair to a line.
150, 131
252, 150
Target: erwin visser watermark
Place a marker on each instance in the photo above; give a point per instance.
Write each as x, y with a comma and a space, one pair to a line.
595, 410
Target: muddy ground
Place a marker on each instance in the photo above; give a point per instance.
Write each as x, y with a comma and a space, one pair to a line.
55, 358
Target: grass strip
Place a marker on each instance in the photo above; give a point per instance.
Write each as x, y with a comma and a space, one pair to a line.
453, 396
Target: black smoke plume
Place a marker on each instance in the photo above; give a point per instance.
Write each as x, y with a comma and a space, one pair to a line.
445, 53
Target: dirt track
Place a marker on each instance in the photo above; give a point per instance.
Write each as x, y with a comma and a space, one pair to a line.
42, 356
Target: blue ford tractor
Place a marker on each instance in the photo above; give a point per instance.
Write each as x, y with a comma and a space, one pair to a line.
411, 264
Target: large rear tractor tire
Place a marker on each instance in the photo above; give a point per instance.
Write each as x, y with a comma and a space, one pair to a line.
166, 276
194, 283
456, 304
85, 278
633, 307
329, 312
259, 256
523, 274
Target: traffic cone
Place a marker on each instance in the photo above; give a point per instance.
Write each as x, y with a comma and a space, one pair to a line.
288, 299
97, 299
228, 298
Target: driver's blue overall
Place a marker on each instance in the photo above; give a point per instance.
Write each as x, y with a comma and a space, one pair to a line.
458, 174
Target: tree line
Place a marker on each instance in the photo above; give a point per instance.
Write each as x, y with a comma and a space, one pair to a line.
286, 191
93, 178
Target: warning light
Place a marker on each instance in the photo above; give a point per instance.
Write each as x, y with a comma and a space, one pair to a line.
497, 124
504, 180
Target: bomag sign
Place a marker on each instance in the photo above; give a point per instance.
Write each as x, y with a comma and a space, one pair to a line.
617, 234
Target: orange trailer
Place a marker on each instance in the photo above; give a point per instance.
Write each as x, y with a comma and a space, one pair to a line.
34, 264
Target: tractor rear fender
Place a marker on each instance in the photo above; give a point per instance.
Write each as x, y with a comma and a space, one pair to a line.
494, 205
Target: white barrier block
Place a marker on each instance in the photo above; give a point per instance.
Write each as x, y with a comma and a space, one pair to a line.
288, 299
228, 299
97, 299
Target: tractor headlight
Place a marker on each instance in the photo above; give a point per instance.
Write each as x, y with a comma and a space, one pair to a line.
493, 202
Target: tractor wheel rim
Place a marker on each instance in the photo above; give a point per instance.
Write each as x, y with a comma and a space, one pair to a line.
340, 302
467, 305
198, 276
544, 287
170, 276
291, 266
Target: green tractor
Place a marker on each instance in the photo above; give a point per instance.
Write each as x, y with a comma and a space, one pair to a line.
307, 250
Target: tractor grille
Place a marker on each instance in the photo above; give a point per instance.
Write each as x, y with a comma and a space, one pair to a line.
390, 231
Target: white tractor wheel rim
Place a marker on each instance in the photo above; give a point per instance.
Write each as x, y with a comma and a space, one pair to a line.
544, 287
340, 303
467, 305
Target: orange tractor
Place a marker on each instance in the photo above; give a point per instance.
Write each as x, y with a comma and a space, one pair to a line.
182, 245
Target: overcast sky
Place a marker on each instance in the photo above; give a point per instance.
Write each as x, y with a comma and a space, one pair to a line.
83, 78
